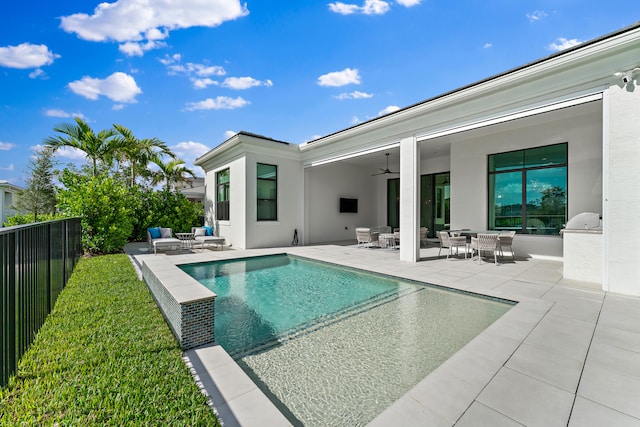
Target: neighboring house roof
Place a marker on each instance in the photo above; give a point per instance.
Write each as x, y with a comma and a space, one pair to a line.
194, 189
9, 186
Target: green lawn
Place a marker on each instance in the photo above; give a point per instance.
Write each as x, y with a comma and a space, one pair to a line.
104, 356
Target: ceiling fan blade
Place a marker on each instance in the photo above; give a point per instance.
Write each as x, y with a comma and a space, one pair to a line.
379, 173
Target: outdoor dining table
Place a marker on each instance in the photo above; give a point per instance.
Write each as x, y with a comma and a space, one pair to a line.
473, 233
186, 240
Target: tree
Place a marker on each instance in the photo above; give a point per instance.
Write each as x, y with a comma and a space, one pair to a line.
138, 152
98, 147
105, 206
172, 172
40, 195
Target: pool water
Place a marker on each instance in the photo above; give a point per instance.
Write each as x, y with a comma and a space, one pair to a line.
331, 345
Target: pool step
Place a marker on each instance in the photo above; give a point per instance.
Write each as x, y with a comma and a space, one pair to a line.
330, 319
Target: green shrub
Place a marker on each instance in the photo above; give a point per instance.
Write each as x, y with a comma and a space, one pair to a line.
104, 356
21, 219
105, 205
163, 209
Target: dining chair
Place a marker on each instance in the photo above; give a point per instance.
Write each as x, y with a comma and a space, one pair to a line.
446, 241
505, 240
423, 235
485, 242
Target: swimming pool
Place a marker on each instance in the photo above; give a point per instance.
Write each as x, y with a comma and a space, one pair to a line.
332, 345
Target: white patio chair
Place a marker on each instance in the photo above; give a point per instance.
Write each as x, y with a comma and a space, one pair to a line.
423, 235
446, 241
366, 237
485, 242
506, 241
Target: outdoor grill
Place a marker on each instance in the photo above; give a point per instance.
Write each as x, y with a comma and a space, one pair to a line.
585, 221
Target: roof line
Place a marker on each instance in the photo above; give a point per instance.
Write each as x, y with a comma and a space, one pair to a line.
488, 79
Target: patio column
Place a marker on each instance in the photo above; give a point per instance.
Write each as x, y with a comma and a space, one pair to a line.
409, 200
621, 196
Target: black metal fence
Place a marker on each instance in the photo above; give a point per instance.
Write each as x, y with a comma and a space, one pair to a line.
36, 260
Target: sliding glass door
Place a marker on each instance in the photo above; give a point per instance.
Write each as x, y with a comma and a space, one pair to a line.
435, 211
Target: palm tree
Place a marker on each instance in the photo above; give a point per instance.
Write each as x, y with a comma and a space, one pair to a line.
98, 148
138, 152
172, 172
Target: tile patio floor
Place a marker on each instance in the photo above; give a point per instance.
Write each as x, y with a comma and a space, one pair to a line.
568, 354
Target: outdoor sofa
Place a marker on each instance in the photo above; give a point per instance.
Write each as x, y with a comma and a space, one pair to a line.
205, 236
161, 238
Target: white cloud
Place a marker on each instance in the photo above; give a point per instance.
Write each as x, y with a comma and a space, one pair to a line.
340, 78
389, 109
117, 107
199, 74
145, 24
240, 83
228, 134
6, 146
38, 73
369, 7
562, 44
354, 95
219, 103
175, 67
189, 150
53, 112
344, 9
71, 153
8, 168
355, 120
26, 55
138, 49
536, 16
118, 87
204, 83
487, 45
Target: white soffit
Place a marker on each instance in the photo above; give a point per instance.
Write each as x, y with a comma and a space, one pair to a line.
353, 154
509, 117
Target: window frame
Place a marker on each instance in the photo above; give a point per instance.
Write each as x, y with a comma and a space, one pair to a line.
223, 206
263, 199
523, 170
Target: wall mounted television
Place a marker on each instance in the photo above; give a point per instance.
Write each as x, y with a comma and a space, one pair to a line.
348, 205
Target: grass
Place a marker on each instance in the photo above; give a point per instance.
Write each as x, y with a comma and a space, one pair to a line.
104, 356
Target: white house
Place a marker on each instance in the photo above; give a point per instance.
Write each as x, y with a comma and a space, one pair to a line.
8, 194
527, 149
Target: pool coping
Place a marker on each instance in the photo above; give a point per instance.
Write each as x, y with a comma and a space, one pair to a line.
441, 398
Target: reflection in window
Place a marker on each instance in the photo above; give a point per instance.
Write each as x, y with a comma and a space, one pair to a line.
528, 190
267, 190
222, 195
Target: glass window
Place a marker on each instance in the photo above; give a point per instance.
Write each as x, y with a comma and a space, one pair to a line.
529, 195
222, 195
267, 191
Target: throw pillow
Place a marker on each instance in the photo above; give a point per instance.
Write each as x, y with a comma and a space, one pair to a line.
165, 232
199, 231
154, 232
208, 231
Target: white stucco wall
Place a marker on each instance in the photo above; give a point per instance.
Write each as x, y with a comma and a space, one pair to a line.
469, 187
324, 186
232, 230
622, 200
262, 234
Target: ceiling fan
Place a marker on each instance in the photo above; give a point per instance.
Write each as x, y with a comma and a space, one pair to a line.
385, 171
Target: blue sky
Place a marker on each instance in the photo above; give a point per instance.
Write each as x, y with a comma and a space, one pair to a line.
194, 72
